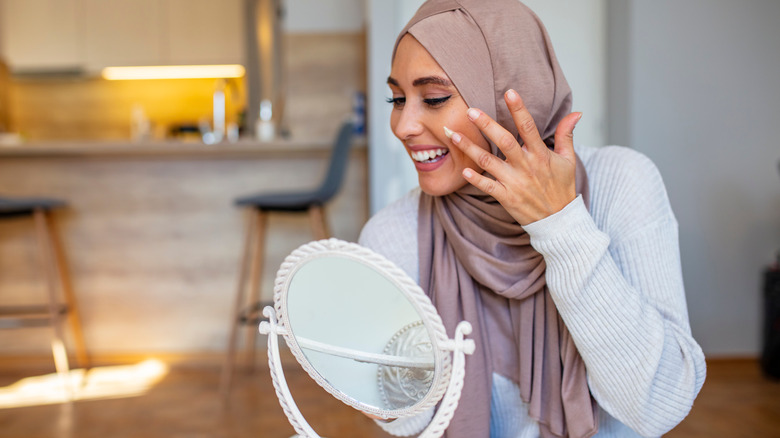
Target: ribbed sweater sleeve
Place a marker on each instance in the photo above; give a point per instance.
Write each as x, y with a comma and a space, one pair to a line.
619, 289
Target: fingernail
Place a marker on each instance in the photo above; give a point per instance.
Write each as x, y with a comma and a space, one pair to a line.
448, 132
512, 94
473, 114
455, 138
467, 173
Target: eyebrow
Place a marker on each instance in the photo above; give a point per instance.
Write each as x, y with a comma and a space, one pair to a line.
427, 80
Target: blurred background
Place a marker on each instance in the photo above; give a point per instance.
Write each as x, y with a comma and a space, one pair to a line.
150, 165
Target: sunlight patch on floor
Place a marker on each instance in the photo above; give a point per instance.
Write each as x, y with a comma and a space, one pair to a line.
96, 383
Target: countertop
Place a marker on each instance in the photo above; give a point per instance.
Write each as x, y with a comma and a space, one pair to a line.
171, 149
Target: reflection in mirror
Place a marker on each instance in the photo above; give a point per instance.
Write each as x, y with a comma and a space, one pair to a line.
358, 327
401, 387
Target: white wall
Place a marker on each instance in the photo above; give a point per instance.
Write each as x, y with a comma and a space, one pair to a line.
578, 31
390, 172
314, 16
696, 90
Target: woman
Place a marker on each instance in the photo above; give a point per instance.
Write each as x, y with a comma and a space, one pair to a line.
564, 260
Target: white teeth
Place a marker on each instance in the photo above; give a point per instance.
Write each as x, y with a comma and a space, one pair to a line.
427, 155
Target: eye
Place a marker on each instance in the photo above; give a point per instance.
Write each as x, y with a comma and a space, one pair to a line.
437, 101
398, 102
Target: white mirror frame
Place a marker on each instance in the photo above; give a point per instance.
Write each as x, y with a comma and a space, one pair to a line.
449, 371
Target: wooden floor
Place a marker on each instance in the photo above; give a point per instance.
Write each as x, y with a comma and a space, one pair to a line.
736, 401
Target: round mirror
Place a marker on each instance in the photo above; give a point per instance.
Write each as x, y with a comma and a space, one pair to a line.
362, 328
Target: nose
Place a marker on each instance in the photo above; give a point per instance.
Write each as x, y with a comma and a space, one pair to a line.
408, 123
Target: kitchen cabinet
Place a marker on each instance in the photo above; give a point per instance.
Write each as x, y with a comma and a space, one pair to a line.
42, 35
163, 32
205, 31
87, 35
123, 32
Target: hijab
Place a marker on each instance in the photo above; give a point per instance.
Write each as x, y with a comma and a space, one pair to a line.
476, 262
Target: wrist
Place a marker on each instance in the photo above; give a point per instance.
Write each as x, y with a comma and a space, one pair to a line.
554, 234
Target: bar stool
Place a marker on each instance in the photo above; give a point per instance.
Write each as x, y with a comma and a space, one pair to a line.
248, 310
54, 312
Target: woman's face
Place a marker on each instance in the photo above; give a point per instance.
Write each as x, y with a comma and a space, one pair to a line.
424, 102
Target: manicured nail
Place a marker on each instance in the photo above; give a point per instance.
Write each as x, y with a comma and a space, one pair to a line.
456, 138
448, 132
473, 114
467, 173
512, 94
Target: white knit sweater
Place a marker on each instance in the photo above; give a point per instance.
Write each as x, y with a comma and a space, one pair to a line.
614, 274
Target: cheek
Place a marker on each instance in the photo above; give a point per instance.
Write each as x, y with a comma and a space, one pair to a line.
457, 120
476, 136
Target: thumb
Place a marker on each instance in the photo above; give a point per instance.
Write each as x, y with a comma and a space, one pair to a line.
564, 135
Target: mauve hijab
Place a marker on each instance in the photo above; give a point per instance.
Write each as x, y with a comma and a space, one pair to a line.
476, 261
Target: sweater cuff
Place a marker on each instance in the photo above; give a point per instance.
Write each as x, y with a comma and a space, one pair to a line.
554, 235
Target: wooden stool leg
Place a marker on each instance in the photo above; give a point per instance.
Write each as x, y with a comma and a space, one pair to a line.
235, 321
63, 274
319, 225
255, 278
47, 262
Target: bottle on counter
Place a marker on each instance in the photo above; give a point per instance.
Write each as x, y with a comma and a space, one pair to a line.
140, 127
265, 129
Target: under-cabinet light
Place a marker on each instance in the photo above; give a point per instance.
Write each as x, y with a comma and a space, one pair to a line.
173, 72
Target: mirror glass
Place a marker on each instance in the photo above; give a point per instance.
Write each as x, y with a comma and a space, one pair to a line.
360, 332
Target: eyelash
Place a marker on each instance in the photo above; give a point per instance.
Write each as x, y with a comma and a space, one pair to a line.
398, 102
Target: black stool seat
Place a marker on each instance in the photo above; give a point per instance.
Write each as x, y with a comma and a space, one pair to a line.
283, 201
305, 199
12, 207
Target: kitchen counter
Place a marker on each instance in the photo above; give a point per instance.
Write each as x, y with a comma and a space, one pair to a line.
153, 237
171, 149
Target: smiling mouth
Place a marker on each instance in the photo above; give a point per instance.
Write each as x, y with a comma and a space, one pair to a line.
429, 156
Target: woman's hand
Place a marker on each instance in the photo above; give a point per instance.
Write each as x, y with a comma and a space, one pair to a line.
533, 182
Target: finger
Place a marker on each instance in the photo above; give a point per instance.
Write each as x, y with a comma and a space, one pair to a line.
502, 138
483, 158
564, 135
488, 186
524, 121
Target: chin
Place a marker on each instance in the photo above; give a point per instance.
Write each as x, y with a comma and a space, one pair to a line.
440, 188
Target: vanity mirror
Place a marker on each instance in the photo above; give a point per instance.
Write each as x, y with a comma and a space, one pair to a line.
366, 333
